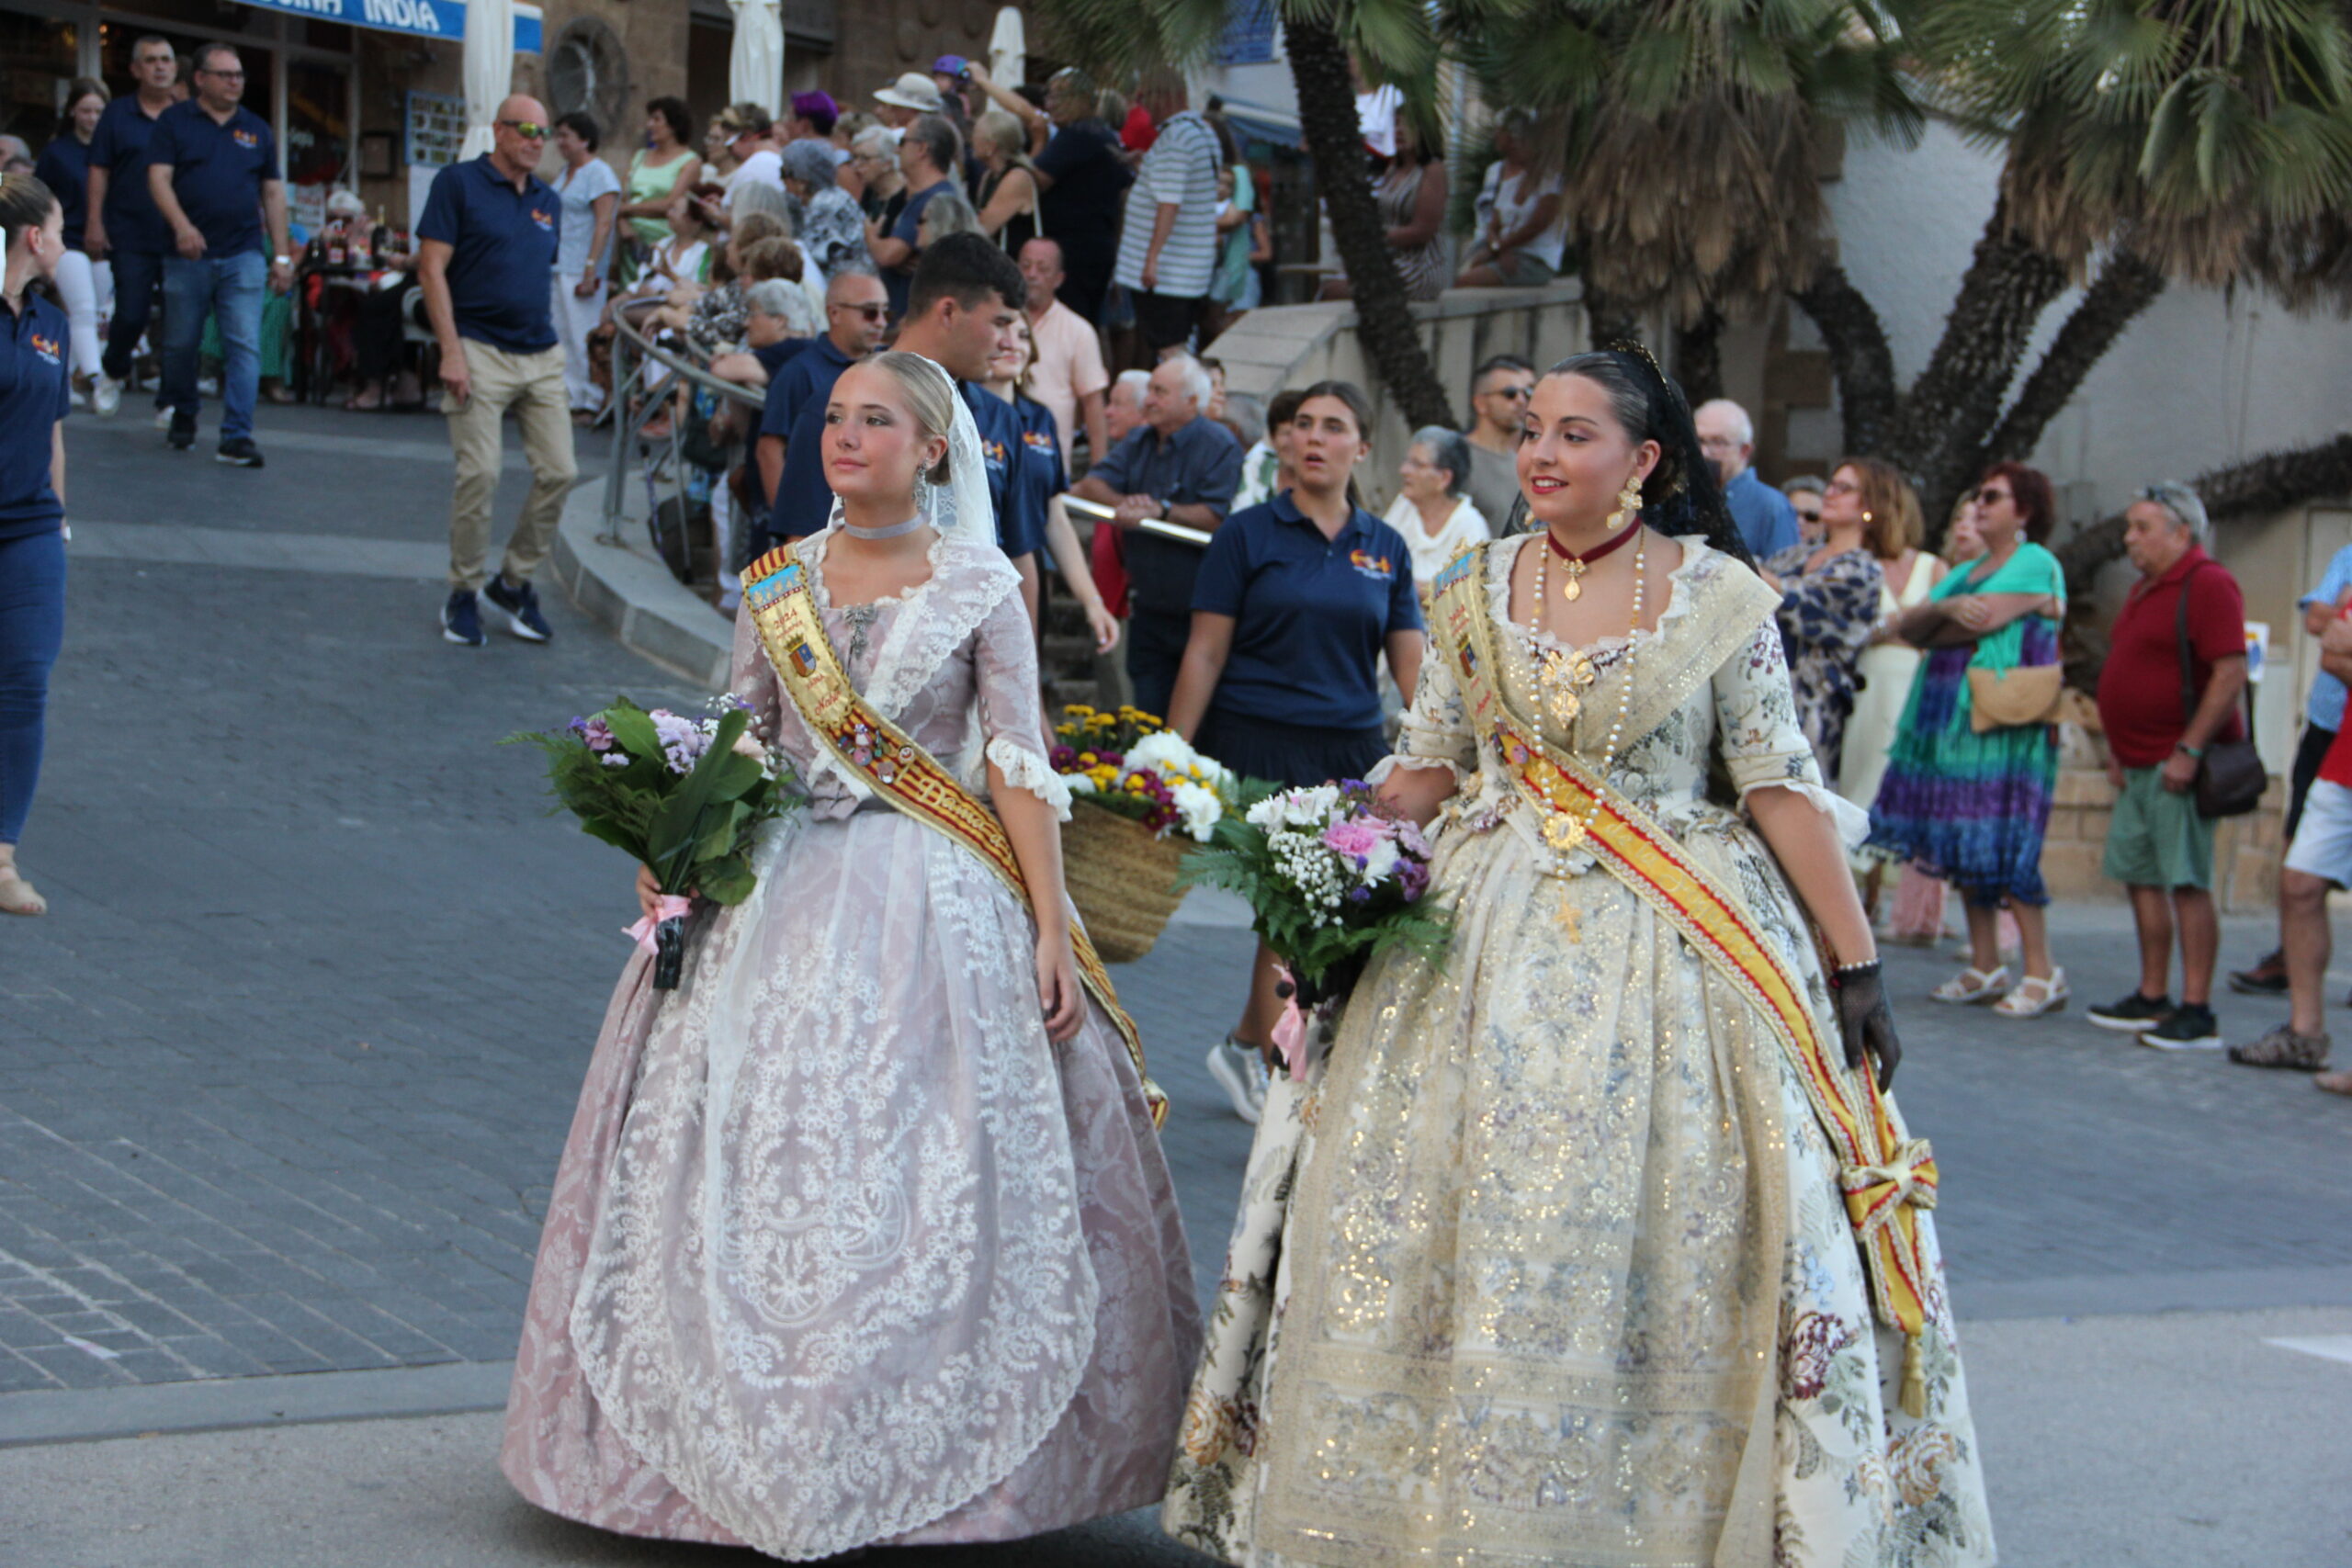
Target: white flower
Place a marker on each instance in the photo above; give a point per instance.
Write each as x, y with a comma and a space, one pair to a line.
1200, 807
1164, 750
1381, 863
1078, 784
1295, 808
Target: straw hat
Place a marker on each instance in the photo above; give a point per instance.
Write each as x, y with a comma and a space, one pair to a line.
913, 91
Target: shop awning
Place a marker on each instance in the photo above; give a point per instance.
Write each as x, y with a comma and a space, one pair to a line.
443, 19
1262, 122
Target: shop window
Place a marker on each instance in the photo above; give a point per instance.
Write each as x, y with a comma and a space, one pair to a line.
41, 56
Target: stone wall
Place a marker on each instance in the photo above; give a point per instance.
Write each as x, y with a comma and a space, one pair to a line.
2246, 849
1296, 346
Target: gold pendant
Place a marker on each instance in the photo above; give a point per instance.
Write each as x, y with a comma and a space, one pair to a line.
1573, 589
1563, 833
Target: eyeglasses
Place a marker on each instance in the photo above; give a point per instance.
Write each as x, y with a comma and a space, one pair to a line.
866, 312
1989, 496
1516, 394
1839, 487
528, 130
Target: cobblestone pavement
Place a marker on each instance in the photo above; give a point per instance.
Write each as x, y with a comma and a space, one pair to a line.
284, 1075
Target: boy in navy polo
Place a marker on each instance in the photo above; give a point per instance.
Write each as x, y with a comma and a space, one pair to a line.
212, 169
485, 245
123, 228
792, 425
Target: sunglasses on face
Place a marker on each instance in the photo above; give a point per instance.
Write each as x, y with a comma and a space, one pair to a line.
865, 313
1516, 394
1804, 517
1988, 496
528, 130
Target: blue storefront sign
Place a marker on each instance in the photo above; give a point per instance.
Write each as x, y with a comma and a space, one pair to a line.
417, 18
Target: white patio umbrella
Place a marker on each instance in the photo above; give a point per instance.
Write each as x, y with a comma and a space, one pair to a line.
1008, 48
755, 62
489, 69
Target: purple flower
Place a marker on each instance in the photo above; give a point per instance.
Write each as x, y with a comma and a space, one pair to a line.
682, 740
1359, 895
1412, 878
595, 732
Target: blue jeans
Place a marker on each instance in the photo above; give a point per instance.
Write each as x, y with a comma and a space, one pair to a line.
136, 274
32, 628
232, 288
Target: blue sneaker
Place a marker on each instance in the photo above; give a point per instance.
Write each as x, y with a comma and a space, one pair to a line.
521, 607
461, 619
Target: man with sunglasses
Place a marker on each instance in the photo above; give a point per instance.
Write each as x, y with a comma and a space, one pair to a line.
212, 170
1499, 394
792, 470
485, 245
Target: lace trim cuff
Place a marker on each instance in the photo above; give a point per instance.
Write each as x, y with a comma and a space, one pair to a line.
1023, 769
1387, 765
1852, 823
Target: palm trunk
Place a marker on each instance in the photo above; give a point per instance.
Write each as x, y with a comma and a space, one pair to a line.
1860, 359
1941, 430
1698, 357
2125, 287
1607, 321
1385, 323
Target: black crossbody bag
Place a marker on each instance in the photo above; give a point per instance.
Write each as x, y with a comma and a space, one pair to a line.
2230, 776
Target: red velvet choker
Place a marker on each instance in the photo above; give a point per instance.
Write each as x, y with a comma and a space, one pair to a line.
1574, 563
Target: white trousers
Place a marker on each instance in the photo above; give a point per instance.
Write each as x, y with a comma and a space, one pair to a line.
87, 289
575, 317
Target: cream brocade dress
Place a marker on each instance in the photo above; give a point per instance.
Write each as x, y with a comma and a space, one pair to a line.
1546, 1263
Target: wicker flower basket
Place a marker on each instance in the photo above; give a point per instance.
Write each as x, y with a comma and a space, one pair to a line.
1122, 879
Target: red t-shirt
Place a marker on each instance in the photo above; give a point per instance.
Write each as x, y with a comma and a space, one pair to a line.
2336, 767
2139, 688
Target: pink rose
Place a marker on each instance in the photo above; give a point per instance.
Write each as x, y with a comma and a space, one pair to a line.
1352, 836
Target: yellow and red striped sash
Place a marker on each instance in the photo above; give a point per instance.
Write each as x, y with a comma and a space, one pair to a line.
1885, 1178
776, 596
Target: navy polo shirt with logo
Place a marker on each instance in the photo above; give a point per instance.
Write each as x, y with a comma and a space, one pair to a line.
502, 244
796, 411
1311, 615
34, 395
1020, 508
1041, 474
119, 147
218, 171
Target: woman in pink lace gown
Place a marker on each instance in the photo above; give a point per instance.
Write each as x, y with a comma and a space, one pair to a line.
845, 1250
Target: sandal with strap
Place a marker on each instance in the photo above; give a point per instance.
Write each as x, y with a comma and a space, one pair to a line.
2053, 994
19, 896
1973, 986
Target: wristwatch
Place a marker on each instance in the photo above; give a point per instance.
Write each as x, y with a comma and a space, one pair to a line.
281, 260
2194, 753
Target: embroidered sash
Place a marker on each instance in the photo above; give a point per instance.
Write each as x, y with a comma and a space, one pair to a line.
776, 596
1885, 1178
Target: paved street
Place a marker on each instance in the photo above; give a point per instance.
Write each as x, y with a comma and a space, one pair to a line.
284, 1075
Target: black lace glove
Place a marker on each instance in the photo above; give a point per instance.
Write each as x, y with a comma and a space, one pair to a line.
1862, 1018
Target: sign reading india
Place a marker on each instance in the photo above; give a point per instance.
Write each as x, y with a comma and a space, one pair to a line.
418, 19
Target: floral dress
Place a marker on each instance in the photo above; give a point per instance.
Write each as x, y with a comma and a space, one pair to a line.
843, 1250
1548, 1262
1826, 619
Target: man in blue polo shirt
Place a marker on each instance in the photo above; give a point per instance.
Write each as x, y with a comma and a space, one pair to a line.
212, 169
1176, 467
962, 306
485, 243
792, 469
123, 227
1764, 518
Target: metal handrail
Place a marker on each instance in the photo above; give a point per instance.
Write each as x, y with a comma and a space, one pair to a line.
633, 358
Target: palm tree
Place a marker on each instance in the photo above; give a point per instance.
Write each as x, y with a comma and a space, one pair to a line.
1690, 136
2143, 141
1392, 40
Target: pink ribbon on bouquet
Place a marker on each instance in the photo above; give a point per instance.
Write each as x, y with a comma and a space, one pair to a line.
1289, 1029
667, 907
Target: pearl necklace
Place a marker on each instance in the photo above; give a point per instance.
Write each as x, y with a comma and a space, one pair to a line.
1561, 675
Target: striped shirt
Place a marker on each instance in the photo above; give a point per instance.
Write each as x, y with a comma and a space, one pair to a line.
1181, 168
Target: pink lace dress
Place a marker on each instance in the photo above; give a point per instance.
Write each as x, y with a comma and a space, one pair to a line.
843, 1250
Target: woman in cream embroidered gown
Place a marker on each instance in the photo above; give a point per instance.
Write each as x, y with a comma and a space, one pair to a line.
843, 1249
1546, 1262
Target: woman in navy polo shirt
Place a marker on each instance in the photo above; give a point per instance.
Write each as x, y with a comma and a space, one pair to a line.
1037, 467
1295, 602
34, 394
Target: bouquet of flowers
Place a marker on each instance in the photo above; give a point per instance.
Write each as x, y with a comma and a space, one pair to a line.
1127, 763
1334, 877
683, 796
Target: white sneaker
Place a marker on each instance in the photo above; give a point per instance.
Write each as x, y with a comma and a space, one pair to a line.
1242, 1075
163, 419
106, 397
208, 387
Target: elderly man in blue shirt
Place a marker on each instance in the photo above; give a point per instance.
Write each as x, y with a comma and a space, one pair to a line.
486, 245
1763, 515
1177, 467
